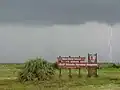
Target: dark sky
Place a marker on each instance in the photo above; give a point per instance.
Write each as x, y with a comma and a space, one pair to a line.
60, 11
49, 28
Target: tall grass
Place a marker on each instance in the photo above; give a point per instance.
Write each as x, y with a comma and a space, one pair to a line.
36, 70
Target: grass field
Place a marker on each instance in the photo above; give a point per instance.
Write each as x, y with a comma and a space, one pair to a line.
109, 79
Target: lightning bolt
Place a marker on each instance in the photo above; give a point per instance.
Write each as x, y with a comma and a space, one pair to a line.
110, 43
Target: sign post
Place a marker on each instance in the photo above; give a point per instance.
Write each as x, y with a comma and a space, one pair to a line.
79, 73
70, 73
60, 72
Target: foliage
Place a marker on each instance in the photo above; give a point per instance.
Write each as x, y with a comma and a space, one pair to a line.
37, 69
116, 66
108, 78
109, 65
55, 65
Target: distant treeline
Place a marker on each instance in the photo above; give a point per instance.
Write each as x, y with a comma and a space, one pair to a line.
12, 63
109, 65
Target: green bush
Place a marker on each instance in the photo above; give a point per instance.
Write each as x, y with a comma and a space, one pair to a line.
55, 65
115, 66
37, 69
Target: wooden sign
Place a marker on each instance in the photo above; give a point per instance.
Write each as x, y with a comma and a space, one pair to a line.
79, 62
73, 62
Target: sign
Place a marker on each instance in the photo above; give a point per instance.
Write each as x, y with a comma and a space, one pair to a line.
79, 62
92, 59
73, 62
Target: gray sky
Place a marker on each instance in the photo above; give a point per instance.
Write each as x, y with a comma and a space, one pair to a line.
60, 11
48, 28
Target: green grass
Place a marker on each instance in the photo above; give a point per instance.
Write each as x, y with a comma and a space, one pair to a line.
109, 79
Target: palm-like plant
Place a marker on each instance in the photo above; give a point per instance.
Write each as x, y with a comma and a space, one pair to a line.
37, 69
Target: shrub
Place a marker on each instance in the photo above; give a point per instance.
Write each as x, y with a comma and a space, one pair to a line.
55, 65
115, 66
37, 69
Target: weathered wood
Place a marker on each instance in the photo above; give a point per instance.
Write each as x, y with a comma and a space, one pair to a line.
70, 75
60, 74
79, 73
92, 71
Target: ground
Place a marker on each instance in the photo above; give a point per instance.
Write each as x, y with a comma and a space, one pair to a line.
109, 79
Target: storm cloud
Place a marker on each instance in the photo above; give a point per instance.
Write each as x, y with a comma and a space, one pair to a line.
60, 11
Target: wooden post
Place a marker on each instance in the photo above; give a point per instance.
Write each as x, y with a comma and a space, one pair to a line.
79, 70
70, 73
79, 73
89, 72
89, 69
60, 72
95, 74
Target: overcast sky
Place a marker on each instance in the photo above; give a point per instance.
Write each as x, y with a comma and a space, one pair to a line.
49, 28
